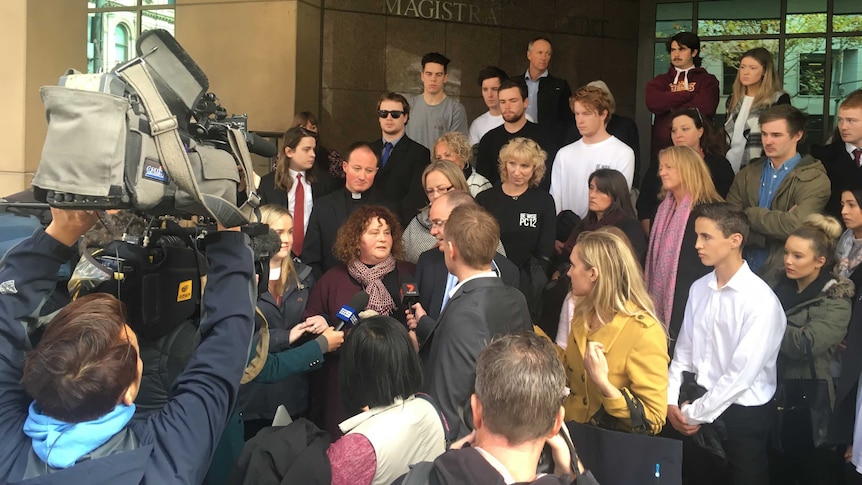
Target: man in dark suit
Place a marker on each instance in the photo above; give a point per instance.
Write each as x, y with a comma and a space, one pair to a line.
549, 95
432, 276
480, 308
331, 210
843, 157
402, 160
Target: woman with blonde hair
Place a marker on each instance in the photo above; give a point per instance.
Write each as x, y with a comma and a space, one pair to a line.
526, 214
454, 147
756, 88
440, 177
818, 308
672, 264
615, 340
283, 307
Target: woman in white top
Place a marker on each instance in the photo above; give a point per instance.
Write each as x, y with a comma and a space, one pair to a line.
756, 88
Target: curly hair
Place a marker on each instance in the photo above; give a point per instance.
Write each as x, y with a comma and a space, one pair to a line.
346, 247
523, 150
458, 146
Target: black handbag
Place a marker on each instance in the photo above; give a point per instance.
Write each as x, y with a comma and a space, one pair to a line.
803, 411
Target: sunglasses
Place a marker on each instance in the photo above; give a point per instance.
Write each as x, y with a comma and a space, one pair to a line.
384, 113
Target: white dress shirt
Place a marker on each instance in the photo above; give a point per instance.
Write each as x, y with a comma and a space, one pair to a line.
729, 339
291, 197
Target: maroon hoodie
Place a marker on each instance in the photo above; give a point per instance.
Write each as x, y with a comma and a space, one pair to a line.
663, 97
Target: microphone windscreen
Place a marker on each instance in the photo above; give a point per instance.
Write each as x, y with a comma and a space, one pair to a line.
359, 301
265, 245
260, 146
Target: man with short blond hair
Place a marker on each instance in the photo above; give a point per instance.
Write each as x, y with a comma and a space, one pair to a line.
480, 308
596, 149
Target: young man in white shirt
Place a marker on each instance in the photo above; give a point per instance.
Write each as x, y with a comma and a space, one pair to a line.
489, 81
596, 149
730, 338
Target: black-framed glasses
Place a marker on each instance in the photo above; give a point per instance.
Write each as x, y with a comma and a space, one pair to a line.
383, 113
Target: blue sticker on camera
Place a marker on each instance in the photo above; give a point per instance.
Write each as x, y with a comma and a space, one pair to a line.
153, 170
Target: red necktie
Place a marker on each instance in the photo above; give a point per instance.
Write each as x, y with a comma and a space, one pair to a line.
298, 216
857, 156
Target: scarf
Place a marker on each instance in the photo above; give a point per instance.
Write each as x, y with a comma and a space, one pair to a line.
848, 253
665, 242
61, 444
371, 278
684, 73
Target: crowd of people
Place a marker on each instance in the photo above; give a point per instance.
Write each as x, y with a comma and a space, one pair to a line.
515, 273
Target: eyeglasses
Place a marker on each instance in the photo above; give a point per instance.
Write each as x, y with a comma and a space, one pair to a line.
383, 113
439, 190
439, 223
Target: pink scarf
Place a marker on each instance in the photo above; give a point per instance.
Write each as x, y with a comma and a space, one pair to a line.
665, 242
371, 279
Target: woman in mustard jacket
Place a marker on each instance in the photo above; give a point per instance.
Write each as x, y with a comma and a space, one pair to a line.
617, 350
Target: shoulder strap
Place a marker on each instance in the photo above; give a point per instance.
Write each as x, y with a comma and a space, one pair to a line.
427, 397
172, 153
419, 474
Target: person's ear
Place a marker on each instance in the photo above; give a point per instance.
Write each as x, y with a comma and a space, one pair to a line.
559, 422
288, 152
694, 53
594, 274
736, 240
476, 409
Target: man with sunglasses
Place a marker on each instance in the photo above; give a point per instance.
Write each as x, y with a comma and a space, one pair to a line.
402, 160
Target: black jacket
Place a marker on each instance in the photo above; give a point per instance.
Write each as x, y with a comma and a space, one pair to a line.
270, 194
842, 172
329, 212
555, 115
400, 181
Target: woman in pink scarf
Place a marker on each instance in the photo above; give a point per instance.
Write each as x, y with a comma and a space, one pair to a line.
369, 244
672, 264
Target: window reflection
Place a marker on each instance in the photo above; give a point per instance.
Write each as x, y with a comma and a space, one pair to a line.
739, 17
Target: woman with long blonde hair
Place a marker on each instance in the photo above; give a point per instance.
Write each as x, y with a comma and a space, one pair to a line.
672, 264
756, 88
615, 340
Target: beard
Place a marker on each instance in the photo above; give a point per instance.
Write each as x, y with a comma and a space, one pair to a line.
513, 117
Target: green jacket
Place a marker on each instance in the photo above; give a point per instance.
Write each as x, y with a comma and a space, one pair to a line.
804, 191
822, 321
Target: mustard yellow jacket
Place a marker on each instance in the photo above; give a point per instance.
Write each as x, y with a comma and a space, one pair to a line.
636, 351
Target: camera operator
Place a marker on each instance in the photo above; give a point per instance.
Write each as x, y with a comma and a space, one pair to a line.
85, 372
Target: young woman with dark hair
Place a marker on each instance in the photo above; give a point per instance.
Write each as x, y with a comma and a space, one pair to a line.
379, 376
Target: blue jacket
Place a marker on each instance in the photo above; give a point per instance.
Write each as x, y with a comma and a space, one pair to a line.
175, 444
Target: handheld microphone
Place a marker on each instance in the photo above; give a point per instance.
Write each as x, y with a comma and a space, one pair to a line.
409, 292
349, 314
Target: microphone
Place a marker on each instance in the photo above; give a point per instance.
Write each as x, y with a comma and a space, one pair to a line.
264, 245
259, 146
409, 292
349, 313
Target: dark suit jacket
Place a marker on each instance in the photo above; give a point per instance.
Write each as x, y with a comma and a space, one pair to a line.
431, 274
842, 172
555, 115
329, 212
400, 181
480, 310
270, 194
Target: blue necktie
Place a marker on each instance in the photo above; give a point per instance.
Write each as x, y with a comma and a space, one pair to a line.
387, 150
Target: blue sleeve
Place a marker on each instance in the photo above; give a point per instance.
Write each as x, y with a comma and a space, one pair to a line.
187, 430
27, 277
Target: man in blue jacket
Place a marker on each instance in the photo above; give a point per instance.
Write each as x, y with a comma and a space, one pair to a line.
65, 410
